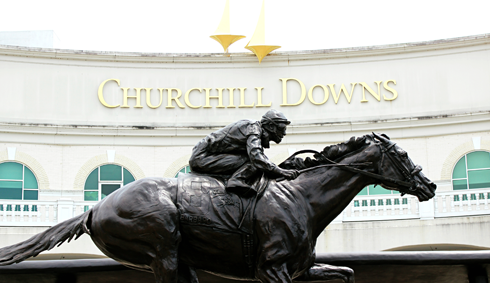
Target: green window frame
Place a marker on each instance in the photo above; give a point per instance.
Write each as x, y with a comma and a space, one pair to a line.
185, 169
17, 182
472, 171
104, 180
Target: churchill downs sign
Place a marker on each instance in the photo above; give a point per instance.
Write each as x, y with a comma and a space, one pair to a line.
317, 94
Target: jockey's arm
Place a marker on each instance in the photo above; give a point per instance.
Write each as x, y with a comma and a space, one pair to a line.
261, 162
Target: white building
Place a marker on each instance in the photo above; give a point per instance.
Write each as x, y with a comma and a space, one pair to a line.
75, 126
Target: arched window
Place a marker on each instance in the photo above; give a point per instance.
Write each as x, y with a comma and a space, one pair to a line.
104, 180
472, 171
185, 169
378, 190
372, 190
17, 182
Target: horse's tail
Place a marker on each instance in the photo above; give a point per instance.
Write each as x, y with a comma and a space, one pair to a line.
46, 240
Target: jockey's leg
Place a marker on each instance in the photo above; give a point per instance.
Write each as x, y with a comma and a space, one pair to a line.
225, 164
241, 181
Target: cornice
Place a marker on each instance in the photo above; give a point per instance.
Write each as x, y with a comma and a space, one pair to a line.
323, 54
414, 127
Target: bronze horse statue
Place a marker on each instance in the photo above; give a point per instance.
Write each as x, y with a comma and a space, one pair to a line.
140, 225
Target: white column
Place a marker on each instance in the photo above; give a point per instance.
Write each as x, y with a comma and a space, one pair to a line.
426, 209
65, 209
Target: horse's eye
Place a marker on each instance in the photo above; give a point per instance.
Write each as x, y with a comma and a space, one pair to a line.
403, 153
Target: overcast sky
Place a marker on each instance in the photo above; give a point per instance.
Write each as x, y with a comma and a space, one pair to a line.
184, 26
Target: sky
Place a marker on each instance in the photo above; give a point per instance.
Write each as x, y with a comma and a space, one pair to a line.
184, 26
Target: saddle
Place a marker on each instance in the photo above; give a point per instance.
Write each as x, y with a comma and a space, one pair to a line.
203, 201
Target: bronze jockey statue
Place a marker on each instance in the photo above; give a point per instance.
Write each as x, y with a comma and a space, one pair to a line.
238, 150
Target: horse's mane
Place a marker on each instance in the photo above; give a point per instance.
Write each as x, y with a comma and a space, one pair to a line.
331, 152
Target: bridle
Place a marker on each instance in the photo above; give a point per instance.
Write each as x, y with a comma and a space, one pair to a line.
409, 184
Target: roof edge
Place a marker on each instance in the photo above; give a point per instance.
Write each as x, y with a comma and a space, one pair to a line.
116, 56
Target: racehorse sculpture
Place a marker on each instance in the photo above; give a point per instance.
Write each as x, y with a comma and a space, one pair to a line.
142, 224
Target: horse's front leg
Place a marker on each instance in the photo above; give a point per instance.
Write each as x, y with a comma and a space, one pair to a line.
327, 272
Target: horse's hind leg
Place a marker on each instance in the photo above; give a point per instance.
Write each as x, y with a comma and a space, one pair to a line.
328, 272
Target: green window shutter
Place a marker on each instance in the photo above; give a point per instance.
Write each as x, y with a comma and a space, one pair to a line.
460, 169
110, 172
30, 181
404, 201
10, 189
92, 182
397, 201
11, 171
31, 195
388, 202
364, 203
372, 202
356, 203
478, 159
128, 177
479, 179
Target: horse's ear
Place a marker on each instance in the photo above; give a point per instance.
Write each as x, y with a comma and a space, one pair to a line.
386, 136
382, 138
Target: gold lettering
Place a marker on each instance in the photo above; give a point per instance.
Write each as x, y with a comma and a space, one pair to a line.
231, 90
310, 94
170, 98
148, 98
342, 89
126, 96
242, 99
186, 98
259, 98
365, 86
395, 93
101, 94
285, 92
219, 97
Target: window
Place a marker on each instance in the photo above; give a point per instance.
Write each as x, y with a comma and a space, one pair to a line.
17, 182
472, 171
185, 169
104, 180
378, 190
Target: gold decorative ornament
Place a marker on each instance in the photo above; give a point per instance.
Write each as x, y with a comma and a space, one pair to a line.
222, 33
257, 43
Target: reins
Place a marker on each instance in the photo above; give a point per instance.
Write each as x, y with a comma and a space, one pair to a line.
349, 167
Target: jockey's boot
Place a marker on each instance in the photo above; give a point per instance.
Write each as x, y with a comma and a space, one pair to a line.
239, 182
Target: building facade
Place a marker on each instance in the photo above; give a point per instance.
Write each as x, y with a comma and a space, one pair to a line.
77, 125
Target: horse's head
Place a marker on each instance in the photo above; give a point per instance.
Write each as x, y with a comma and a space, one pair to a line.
402, 174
